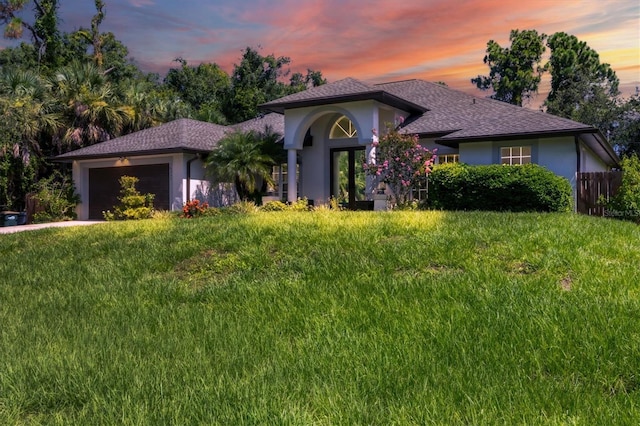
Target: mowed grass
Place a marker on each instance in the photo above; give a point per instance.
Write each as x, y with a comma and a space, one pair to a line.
323, 318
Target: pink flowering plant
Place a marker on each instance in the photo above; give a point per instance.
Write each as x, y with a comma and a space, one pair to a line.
401, 163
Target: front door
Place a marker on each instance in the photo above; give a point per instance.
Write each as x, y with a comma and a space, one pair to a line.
348, 181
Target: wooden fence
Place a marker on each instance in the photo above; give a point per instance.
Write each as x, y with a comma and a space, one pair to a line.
593, 185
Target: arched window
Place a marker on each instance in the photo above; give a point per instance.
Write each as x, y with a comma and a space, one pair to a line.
343, 128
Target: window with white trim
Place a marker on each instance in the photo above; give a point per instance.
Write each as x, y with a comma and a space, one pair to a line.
515, 155
448, 158
421, 192
343, 128
280, 185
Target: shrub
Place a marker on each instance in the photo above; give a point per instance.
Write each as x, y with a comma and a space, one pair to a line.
332, 204
133, 205
194, 208
242, 207
211, 211
529, 187
625, 204
302, 204
274, 206
399, 161
57, 198
164, 214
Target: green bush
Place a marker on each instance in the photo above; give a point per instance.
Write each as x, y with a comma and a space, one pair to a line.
241, 207
57, 198
626, 203
274, 206
496, 187
133, 205
302, 204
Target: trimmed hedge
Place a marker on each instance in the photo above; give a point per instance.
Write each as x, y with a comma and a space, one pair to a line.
530, 187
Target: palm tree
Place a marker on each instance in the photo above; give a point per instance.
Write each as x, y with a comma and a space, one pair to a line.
89, 104
151, 106
27, 114
241, 158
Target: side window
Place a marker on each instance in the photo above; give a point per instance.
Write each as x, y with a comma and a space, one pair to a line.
515, 155
448, 158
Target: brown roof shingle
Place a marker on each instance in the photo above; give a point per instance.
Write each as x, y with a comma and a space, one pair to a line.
464, 116
182, 135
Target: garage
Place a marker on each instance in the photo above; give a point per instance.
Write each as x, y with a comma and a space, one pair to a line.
104, 188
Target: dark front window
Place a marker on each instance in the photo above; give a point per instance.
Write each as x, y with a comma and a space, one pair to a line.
348, 181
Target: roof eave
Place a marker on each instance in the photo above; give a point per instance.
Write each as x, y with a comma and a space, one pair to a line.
454, 142
69, 158
598, 144
380, 96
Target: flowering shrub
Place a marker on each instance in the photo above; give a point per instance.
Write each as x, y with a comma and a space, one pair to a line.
401, 163
193, 209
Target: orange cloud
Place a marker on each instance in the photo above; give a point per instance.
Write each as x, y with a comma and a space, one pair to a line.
430, 39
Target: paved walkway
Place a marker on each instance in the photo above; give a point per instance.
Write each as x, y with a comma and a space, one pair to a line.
19, 228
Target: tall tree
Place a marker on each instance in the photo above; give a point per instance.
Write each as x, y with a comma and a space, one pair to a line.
96, 37
90, 105
299, 82
26, 112
27, 121
24, 56
626, 128
203, 88
114, 55
578, 79
255, 80
514, 72
44, 30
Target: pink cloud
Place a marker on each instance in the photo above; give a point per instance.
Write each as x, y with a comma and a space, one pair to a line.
374, 40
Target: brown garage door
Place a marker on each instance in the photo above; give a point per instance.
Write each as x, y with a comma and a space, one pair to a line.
104, 188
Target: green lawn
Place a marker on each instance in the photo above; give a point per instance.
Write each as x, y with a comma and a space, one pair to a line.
323, 318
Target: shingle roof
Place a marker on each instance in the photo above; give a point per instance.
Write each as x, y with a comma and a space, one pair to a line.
451, 113
182, 135
176, 136
451, 116
464, 116
274, 121
346, 90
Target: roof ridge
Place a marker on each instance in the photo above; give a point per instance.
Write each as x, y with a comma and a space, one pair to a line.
400, 81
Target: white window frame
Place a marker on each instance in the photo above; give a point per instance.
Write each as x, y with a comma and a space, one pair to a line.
516, 155
280, 183
448, 158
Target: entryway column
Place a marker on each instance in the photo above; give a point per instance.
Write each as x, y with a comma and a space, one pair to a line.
292, 182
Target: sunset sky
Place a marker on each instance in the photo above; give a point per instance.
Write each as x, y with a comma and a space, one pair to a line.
372, 40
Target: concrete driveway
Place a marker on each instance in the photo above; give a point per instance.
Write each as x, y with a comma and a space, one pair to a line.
20, 228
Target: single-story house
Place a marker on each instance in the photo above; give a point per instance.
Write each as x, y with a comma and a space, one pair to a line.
168, 160
328, 132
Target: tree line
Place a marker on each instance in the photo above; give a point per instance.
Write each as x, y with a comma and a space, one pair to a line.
62, 91
582, 87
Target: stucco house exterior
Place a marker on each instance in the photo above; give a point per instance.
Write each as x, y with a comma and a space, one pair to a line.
168, 160
328, 131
